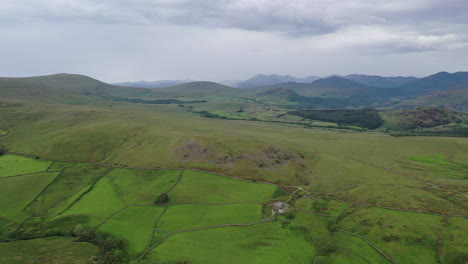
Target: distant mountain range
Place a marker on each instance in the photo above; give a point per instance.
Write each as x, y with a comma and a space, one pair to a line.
436, 82
440, 90
256, 81
447, 90
261, 80
154, 84
379, 81
265, 80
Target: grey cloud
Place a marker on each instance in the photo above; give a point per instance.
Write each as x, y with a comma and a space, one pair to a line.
300, 17
121, 40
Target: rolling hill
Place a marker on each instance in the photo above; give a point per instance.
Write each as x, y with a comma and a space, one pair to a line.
327, 87
153, 84
68, 88
266, 80
437, 82
454, 99
95, 174
379, 81
199, 89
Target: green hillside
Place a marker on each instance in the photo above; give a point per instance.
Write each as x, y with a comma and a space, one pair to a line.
437, 82
426, 120
379, 81
66, 88
164, 183
453, 99
200, 89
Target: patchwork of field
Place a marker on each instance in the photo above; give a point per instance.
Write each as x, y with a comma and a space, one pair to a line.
360, 197
208, 217
123, 203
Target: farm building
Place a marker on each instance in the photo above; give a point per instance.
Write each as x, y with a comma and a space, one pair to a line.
279, 207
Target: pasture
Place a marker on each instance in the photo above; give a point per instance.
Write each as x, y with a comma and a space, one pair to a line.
135, 225
367, 170
99, 203
407, 236
260, 243
29, 186
197, 186
142, 186
189, 216
53, 250
11, 165
70, 180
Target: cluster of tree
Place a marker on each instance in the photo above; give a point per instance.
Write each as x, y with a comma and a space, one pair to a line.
365, 118
455, 132
152, 261
210, 115
163, 198
424, 117
112, 249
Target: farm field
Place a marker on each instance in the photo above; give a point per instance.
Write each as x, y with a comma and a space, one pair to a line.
12, 165
234, 132
190, 216
206, 211
98, 203
219, 189
134, 224
260, 243
31, 185
122, 203
355, 197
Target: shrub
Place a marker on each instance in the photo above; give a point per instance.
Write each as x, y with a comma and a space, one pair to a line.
162, 199
290, 215
365, 118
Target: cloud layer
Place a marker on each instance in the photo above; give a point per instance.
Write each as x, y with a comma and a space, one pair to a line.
261, 30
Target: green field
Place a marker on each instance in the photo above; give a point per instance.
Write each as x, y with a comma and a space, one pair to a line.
408, 237
99, 203
189, 216
54, 250
29, 186
325, 206
402, 197
103, 165
198, 186
261, 243
142, 186
439, 166
336, 246
11, 165
135, 225
70, 181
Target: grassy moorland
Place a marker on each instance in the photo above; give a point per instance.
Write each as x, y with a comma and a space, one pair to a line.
53, 250
96, 171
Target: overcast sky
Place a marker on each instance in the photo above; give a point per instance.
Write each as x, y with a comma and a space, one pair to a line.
130, 40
